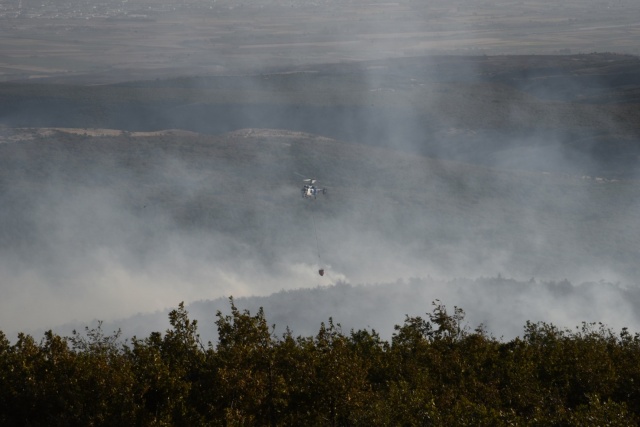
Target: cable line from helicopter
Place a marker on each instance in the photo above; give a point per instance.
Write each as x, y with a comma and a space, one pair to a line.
310, 191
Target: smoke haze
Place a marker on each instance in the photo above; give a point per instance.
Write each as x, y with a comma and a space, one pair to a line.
441, 170
212, 216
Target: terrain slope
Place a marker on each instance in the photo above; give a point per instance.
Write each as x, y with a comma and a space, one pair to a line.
189, 188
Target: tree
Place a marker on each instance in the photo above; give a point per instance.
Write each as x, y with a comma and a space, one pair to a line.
166, 369
335, 378
251, 390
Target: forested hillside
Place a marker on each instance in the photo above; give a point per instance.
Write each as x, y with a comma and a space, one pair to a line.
95, 221
435, 370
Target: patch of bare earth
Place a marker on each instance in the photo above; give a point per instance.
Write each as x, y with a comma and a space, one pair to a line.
27, 134
275, 133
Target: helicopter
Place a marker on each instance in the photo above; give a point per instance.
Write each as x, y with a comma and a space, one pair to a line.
309, 189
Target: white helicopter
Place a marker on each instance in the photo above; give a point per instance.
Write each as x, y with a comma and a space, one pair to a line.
310, 190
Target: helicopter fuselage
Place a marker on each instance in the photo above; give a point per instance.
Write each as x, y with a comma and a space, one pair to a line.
311, 191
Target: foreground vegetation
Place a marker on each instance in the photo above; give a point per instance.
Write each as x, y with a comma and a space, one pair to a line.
434, 371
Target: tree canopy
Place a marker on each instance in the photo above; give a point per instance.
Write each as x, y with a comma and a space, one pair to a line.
434, 371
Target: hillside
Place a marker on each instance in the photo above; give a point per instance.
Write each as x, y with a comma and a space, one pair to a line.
189, 188
192, 216
245, 182
501, 305
572, 113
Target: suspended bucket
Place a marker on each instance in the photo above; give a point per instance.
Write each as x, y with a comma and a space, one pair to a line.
321, 272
